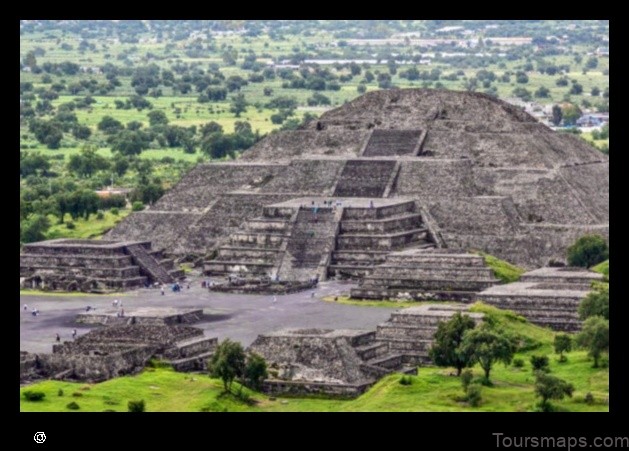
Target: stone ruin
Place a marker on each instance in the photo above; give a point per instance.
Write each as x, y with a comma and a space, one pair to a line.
348, 362
94, 265
445, 169
548, 297
119, 350
152, 316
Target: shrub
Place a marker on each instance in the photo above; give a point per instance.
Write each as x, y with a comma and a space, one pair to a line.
473, 395
115, 211
77, 394
563, 343
100, 215
589, 398
587, 251
60, 392
518, 363
406, 380
466, 379
540, 363
136, 406
32, 395
70, 225
137, 206
73, 406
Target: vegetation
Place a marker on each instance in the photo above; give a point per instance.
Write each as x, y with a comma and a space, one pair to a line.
33, 395
446, 350
594, 336
136, 406
502, 269
487, 345
550, 387
587, 251
540, 363
228, 363
596, 303
123, 103
563, 344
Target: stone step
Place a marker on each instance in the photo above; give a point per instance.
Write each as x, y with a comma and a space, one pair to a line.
355, 213
434, 260
215, 267
405, 344
428, 283
192, 363
191, 347
91, 272
370, 351
381, 241
467, 273
382, 225
392, 330
177, 274
354, 272
372, 292
389, 361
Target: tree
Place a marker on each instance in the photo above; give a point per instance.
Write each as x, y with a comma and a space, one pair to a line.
129, 142
33, 228
81, 131
486, 346
591, 63
148, 193
563, 343
576, 89
238, 104
571, 113
157, 117
521, 77
446, 349
228, 362
216, 145
87, 162
540, 363
594, 336
596, 303
557, 115
255, 371
587, 251
542, 92
550, 387
595, 92
109, 125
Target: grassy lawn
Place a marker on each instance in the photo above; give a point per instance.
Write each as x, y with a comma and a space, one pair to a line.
91, 228
432, 390
503, 270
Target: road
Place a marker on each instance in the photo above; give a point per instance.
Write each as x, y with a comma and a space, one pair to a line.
236, 316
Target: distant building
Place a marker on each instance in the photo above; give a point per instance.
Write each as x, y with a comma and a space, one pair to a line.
593, 120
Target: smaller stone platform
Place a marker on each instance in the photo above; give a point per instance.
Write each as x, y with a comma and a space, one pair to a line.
142, 315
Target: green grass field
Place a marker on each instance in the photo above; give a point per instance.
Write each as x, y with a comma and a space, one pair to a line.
432, 390
91, 228
503, 270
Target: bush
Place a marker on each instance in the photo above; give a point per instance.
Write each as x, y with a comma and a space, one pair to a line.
73, 406
540, 363
136, 406
60, 392
77, 394
518, 363
115, 211
473, 394
406, 380
100, 216
70, 225
589, 398
137, 206
466, 379
587, 251
31, 395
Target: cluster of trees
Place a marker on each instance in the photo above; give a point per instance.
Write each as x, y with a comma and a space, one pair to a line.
230, 362
459, 343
